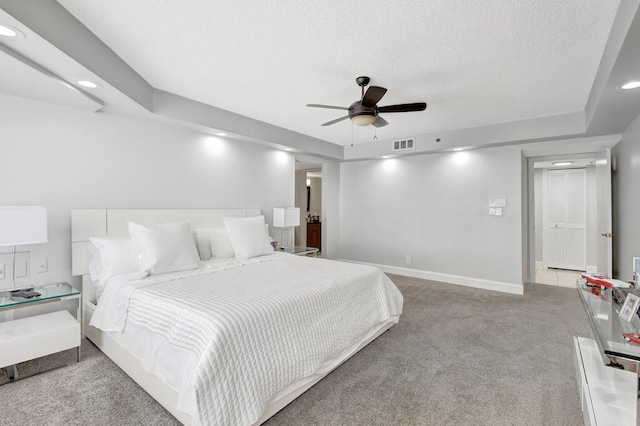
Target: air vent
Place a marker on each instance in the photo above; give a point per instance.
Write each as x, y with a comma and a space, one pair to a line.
403, 144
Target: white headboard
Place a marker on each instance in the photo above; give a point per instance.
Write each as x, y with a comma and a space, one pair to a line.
87, 223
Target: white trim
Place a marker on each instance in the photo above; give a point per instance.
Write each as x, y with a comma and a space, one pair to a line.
446, 278
540, 265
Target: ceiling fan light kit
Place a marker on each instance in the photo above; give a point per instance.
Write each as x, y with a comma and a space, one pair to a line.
363, 120
365, 111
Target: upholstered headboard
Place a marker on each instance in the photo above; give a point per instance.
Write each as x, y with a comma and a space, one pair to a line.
87, 223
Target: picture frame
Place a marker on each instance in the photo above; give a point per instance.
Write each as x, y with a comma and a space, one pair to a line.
629, 307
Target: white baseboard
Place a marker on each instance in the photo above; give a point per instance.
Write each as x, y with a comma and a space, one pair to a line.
539, 265
592, 269
446, 278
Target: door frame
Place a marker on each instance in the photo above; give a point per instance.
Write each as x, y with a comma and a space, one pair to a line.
528, 217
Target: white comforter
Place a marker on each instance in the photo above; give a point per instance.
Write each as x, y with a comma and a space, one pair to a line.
256, 327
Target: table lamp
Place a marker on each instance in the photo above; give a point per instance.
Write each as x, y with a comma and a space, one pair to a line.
286, 218
21, 226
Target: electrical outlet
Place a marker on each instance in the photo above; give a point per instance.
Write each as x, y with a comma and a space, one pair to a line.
43, 265
407, 259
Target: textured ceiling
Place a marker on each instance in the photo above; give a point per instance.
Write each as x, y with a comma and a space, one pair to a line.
474, 63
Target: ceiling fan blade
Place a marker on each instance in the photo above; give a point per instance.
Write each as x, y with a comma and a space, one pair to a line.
373, 95
418, 106
327, 106
380, 122
329, 123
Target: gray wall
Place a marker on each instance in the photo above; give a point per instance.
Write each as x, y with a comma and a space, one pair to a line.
626, 201
435, 209
63, 159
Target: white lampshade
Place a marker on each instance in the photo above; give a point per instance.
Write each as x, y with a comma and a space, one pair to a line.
286, 217
23, 225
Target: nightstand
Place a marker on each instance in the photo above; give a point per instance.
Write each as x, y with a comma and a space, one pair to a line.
35, 336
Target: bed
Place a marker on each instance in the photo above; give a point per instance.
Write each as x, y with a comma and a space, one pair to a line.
234, 339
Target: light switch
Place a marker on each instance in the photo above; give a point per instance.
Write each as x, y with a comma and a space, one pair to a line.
23, 269
495, 211
6, 276
497, 202
42, 266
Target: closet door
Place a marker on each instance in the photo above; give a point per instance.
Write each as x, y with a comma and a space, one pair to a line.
576, 219
556, 233
566, 233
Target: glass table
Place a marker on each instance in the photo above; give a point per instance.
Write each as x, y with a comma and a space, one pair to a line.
48, 293
607, 363
300, 250
39, 332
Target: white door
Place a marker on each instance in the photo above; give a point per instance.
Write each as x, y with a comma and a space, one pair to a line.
604, 225
556, 232
566, 232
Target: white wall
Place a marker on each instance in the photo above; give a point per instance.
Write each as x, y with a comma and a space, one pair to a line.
63, 159
626, 201
435, 209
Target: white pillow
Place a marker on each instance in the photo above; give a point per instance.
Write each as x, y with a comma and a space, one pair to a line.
204, 246
214, 243
111, 256
220, 243
248, 236
164, 248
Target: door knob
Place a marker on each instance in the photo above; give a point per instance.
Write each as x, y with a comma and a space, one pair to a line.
608, 235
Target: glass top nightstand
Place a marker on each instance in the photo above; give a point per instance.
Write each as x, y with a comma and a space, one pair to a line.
48, 293
300, 250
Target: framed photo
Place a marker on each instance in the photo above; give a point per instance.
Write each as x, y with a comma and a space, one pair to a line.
630, 307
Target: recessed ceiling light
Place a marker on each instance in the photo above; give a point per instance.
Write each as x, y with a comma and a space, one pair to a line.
8, 31
562, 163
630, 85
89, 84
221, 134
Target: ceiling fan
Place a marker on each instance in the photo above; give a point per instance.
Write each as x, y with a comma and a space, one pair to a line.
366, 110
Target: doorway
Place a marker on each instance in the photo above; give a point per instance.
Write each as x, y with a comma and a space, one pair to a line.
564, 219
308, 183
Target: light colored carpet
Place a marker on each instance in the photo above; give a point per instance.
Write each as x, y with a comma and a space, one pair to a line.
459, 356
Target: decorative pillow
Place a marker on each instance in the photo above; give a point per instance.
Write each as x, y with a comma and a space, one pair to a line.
111, 256
164, 248
248, 236
204, 246
220, 243
214, 243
